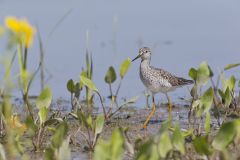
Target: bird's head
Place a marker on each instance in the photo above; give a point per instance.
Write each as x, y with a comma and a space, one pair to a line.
144, 53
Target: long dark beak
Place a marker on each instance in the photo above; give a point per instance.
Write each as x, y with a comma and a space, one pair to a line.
136, 57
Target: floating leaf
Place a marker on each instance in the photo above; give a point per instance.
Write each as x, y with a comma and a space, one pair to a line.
87, 82
201, 145
178, 140
110, 76
230, 66
44, 99
71, 86
165, 144
124, 67
225, 135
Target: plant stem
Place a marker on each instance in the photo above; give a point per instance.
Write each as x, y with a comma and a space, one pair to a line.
101, 100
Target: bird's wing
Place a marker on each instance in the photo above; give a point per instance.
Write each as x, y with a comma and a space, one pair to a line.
172, 79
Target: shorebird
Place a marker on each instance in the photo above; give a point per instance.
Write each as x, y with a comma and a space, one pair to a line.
157, 80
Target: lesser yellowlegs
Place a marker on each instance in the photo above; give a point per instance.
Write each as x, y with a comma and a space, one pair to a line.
157, 80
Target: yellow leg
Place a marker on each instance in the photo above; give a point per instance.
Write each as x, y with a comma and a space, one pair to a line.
151, 114
169, 106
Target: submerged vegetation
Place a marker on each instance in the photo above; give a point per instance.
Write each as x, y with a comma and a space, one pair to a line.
212, 132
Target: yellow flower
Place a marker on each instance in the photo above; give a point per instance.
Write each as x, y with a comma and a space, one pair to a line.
22, 29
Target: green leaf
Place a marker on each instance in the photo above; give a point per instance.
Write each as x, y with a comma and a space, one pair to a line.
59, 135
207, 99
193, 73
30, 124
230, 66
227, 98
203, 74
99, 123
112, 149
124, 67
165, 144
148, 151
71, 86
49, 154
201, 145
110, 76
178, 140
207, 124
44, 99
43, 113
225, 135
87, 82
64, 152
86, 120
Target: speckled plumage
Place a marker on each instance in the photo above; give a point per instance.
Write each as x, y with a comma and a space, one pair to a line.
155, 79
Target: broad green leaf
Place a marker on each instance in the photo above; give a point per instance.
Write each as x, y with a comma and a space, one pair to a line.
124, 67
44, 99
165, 144
207, 99
203, 74
227, 98
148, 151
49, 154
64, 152
178, 140
31, 124
112, 149
59, 135
228, 83
99, 123
230, 66
86, 120
232, 82
224, 136
87, 82
43, 113
201, 145
193, 73
110, 76
207, 124
71, 86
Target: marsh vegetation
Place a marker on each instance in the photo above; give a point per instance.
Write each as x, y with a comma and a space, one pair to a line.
206, 127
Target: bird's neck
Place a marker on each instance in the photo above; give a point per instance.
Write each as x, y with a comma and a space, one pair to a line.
145, 63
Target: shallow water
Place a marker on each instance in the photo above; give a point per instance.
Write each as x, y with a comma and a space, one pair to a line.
181, 35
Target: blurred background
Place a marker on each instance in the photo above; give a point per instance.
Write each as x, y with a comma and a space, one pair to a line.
181, 35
